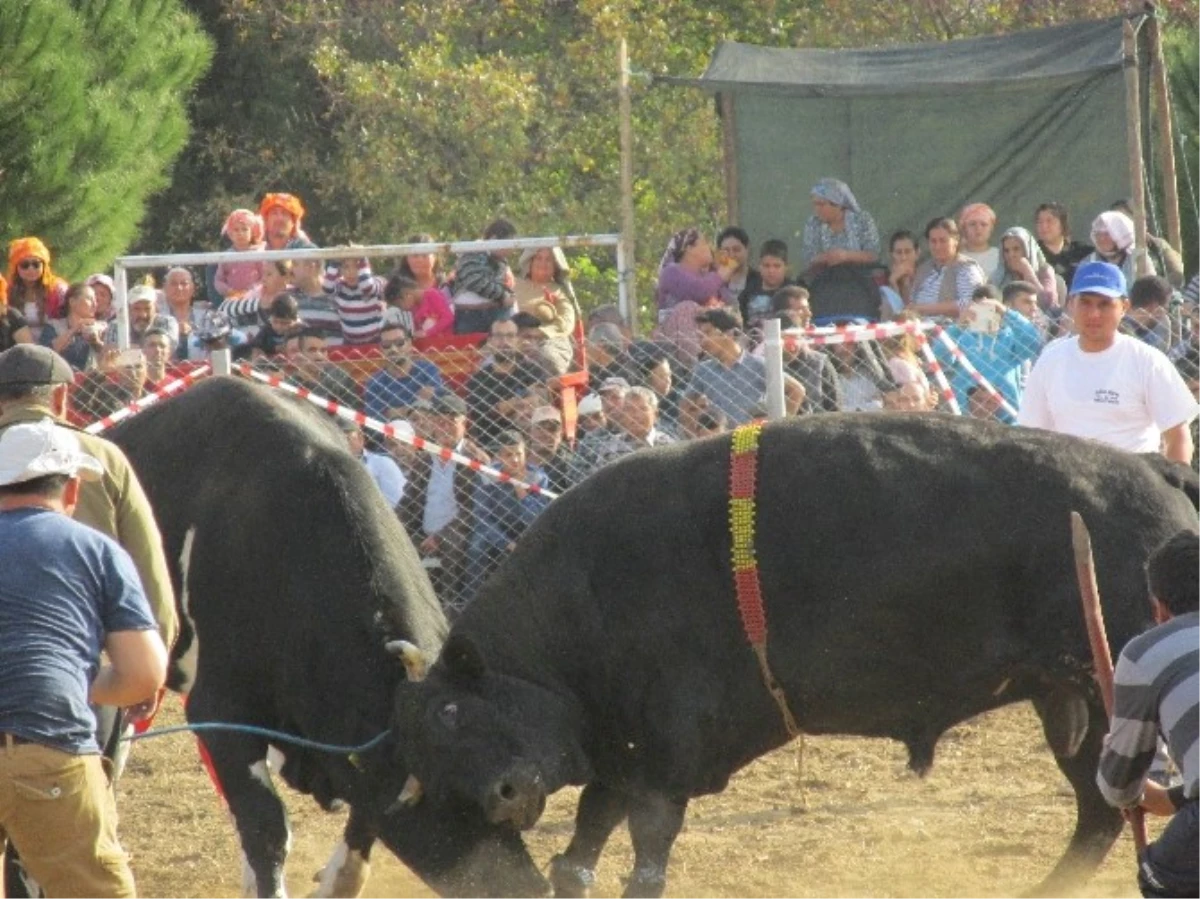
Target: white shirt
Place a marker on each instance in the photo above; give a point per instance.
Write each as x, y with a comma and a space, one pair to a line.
1125, 396
387, 474
440, 503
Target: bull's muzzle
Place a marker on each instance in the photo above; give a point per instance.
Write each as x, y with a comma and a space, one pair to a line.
518, 797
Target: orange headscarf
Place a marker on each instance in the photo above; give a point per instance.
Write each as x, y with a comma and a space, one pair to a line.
30, 248
3, 293
289, 203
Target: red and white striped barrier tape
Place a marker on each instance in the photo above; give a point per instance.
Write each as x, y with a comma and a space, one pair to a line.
180, 383
961, 358
364, 421
856, 333
935, 369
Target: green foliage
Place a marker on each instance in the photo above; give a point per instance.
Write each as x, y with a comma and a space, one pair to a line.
395, 116
1182, 51
91, 116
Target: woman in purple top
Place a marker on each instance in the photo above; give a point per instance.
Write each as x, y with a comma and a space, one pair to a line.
687, 273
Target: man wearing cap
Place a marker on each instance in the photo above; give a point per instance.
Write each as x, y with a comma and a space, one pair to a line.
1105, 385
546, 448
591, 415
72, 593
144, 315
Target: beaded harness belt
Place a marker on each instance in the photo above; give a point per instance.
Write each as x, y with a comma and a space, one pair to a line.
743, 487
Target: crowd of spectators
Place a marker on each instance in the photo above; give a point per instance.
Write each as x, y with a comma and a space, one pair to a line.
489, 354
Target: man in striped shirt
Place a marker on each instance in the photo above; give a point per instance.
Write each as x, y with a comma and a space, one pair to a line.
1157, 689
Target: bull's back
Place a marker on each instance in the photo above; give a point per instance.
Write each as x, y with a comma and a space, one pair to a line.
912, 567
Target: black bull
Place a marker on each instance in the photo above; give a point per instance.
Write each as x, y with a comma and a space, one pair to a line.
291, 574
916, 571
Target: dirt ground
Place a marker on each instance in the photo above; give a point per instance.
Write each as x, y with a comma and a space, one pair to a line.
989, 820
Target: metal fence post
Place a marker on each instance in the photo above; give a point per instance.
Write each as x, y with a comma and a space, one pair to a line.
121, 301
773, 358
222, 361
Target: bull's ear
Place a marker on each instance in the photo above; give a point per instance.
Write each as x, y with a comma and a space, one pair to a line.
462, 658
412, 657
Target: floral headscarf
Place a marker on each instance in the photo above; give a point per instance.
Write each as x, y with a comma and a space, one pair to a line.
975, 210
678, 245
836, 192
245, 216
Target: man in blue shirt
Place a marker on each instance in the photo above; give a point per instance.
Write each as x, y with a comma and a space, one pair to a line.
731, 378
66, 593
392, 391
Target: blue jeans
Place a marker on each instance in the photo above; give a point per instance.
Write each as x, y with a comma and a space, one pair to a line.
1170, 866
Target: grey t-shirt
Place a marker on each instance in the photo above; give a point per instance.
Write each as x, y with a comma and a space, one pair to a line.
736, 391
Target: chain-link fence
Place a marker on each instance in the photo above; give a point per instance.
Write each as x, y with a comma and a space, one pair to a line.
471, 436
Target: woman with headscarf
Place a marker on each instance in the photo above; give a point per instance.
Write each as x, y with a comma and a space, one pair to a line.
1113, 237
839, 231
33, 289
543, 289
13, 327
976, 223
1022, 260
686, 272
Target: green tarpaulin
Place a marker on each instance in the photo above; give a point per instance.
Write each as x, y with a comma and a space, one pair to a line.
919, 130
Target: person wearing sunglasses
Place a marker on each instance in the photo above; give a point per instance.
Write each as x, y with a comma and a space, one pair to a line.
33, 288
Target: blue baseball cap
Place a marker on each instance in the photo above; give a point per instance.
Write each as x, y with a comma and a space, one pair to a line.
1103, 278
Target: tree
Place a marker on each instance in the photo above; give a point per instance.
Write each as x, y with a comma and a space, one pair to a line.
393, 116
91, 117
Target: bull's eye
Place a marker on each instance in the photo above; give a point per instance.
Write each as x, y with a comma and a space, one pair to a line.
448, 715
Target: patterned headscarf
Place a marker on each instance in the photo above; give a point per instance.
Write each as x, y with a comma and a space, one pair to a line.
836, 192
289, 203
239, 216
1119, 227
678, 245
29, 248
976, 210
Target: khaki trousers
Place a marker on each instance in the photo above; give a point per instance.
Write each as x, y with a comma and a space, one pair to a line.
58, 810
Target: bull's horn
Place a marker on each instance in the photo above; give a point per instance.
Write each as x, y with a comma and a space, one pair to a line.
410, 795
414, 660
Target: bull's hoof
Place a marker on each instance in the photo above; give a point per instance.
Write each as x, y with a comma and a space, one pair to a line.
570, 881
645, 883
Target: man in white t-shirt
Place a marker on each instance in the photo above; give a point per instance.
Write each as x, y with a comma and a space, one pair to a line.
1105, 385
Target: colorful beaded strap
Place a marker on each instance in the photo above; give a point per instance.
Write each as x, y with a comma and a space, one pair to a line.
743, 490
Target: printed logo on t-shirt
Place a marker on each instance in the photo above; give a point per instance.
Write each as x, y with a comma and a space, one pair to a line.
1107, 397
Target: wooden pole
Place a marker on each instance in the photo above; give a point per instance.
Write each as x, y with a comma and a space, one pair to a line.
729, 156
1093, 616
1133, 144
625, 115
1166, 133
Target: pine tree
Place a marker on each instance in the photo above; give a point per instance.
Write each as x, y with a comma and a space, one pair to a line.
92, 114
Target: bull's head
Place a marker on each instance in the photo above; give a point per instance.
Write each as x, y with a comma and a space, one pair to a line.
479, 740
454, 849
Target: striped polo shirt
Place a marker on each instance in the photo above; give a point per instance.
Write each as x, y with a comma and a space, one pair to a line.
359, 306
1156, 688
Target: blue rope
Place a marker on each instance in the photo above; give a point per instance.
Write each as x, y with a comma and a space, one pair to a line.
276, 735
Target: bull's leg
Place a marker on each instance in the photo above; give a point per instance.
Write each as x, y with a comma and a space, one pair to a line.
1097, 824
346, 872
600, 810
240, 764
654, 823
